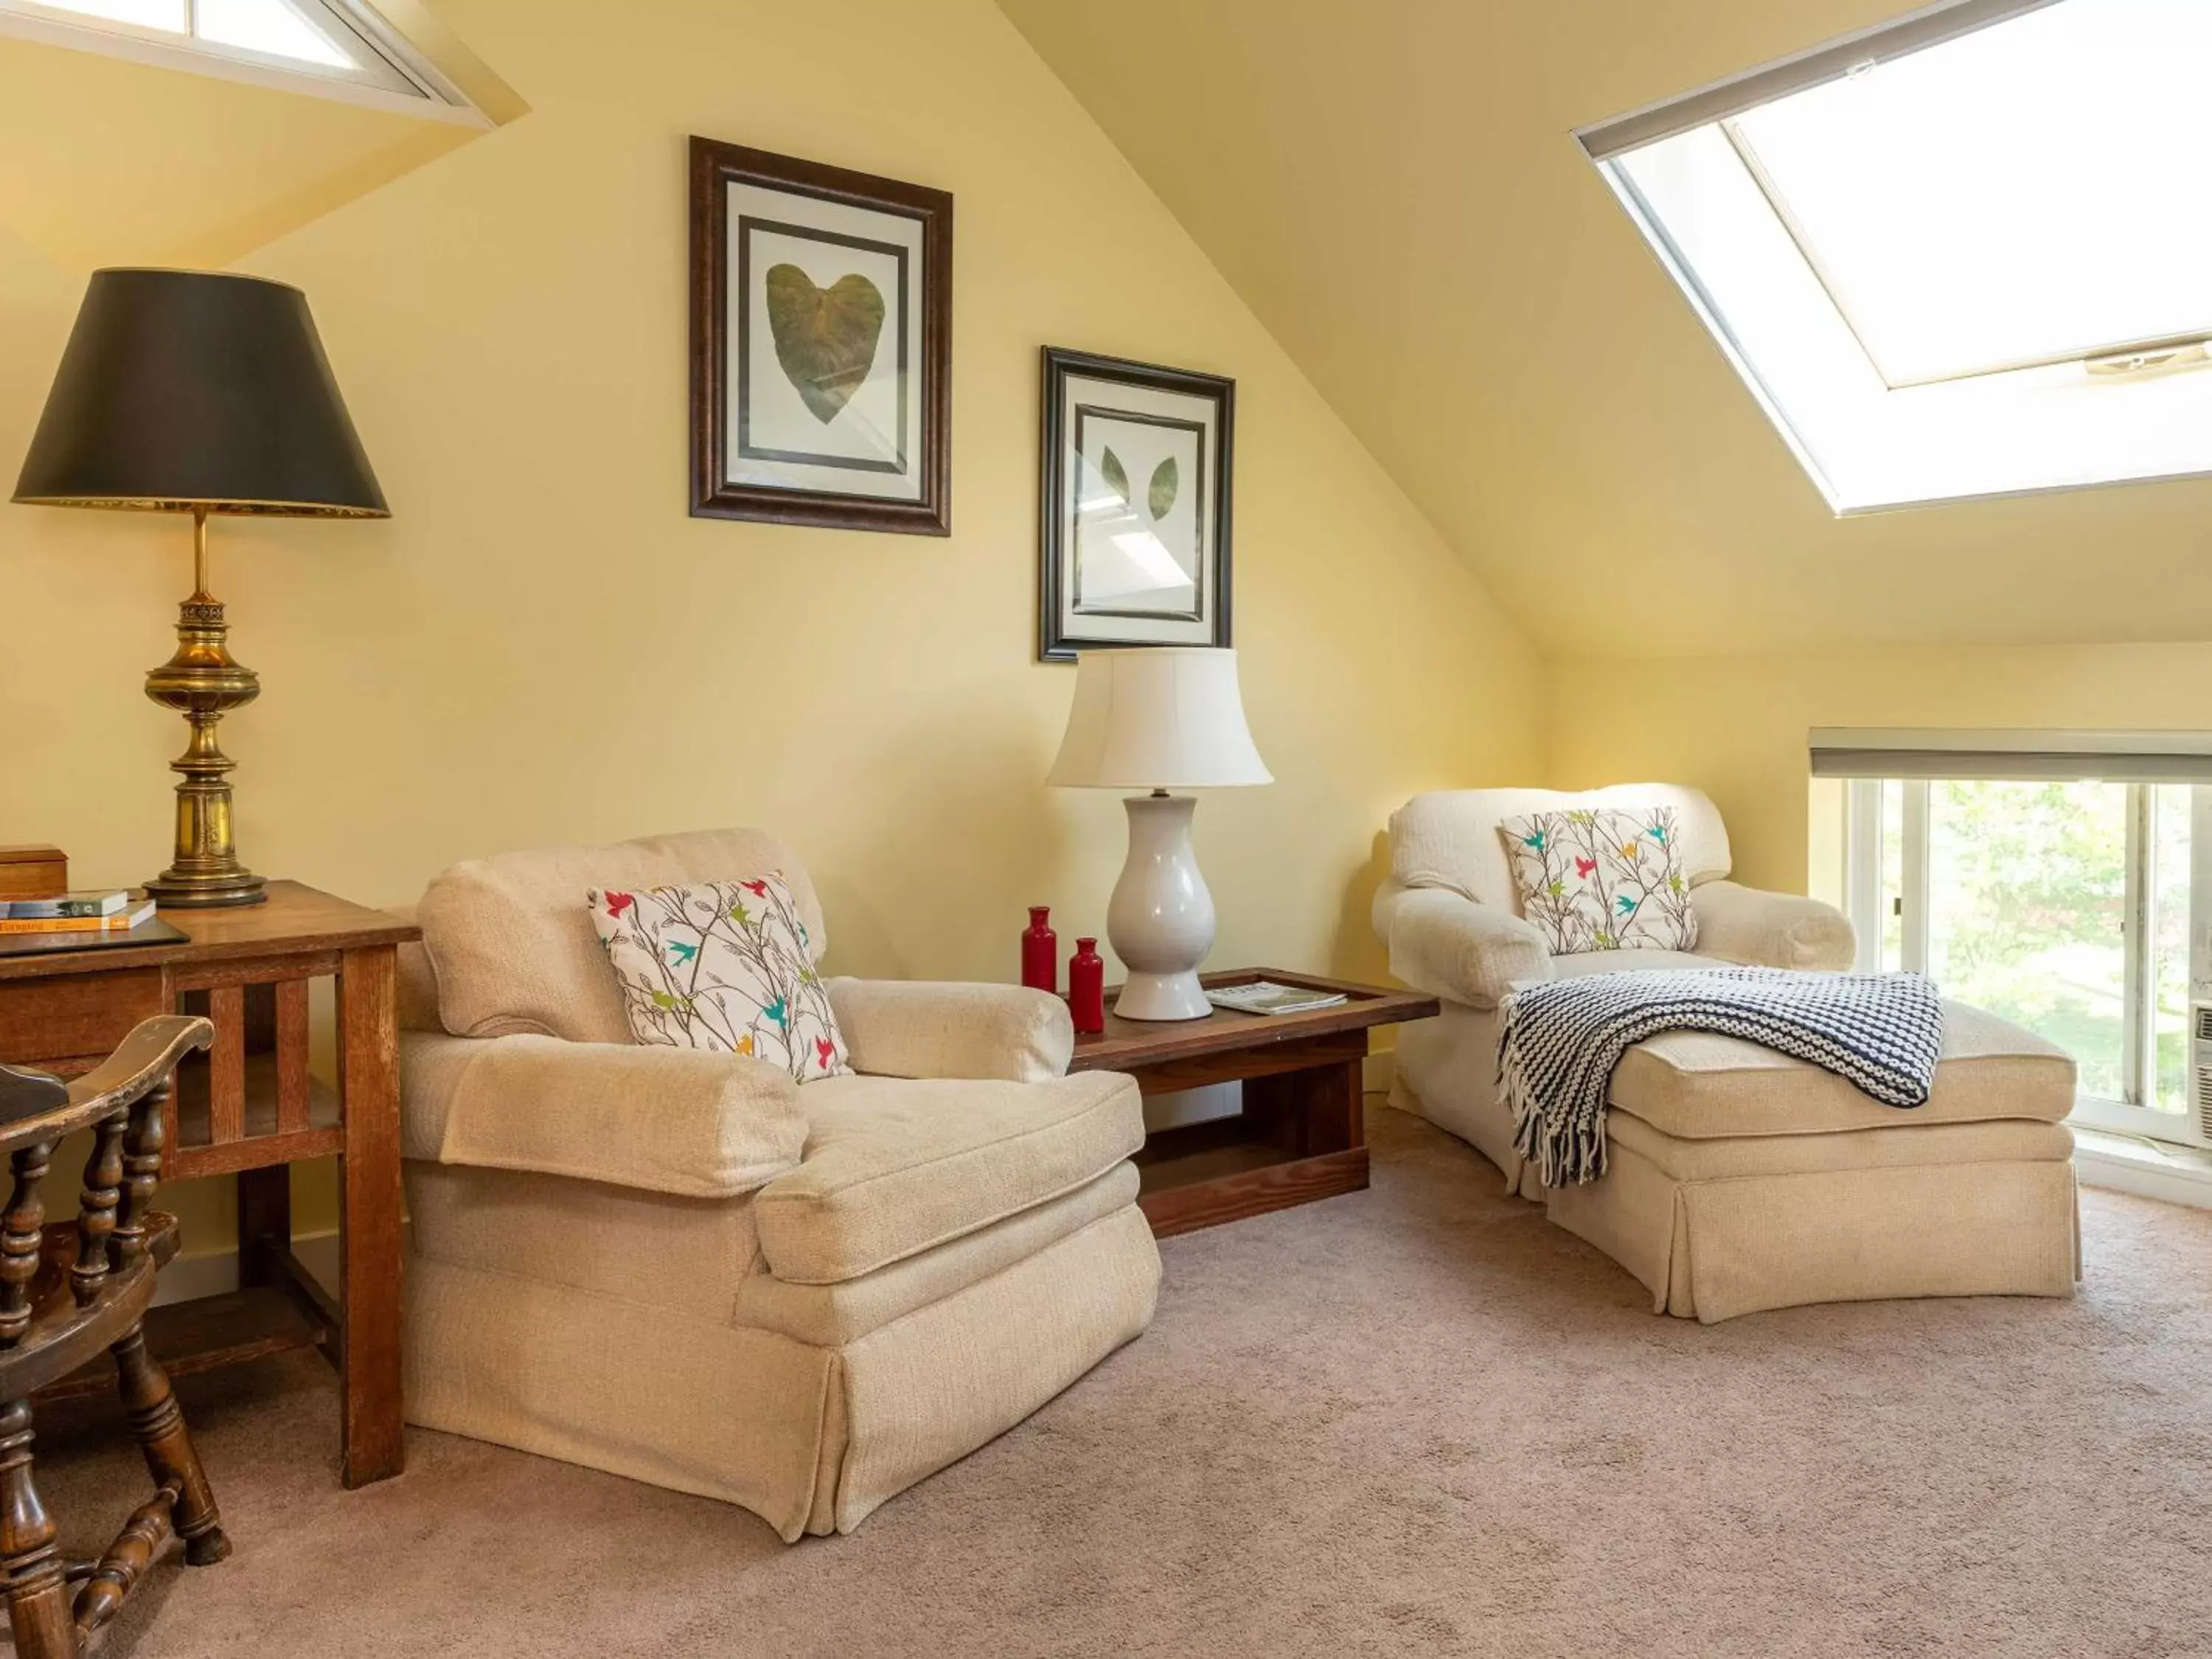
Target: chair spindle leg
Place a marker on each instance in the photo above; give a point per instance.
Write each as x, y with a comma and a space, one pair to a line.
158, 1426
110, 1583
37, 1590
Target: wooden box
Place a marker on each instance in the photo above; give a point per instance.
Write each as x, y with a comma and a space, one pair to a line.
33, 872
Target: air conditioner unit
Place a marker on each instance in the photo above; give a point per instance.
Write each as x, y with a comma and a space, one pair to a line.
2200, 1062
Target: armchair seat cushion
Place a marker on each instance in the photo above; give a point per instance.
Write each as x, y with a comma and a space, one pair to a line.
829, 1316
894, 1167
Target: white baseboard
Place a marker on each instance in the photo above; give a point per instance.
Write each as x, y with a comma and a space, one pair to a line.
189, 1277
2179, 1174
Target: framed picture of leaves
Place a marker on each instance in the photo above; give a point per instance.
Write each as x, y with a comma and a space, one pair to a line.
1136, 505
821, 344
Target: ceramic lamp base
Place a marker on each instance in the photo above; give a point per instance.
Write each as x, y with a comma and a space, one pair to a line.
1161, 918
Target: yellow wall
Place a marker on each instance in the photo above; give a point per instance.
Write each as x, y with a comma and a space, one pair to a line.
138, 164
541, 646
1737, 725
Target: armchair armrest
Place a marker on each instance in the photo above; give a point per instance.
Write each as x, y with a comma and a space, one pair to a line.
1446, 944
926, 1028
1771, 929
691, 1121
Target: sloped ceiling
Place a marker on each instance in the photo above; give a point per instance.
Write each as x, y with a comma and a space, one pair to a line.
1394, 187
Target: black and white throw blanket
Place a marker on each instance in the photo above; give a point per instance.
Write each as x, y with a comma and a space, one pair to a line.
1561, 1039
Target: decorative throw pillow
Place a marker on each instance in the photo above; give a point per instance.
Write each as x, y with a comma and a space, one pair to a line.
721, 965
1602, 879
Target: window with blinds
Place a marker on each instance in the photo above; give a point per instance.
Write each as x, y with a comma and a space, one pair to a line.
2061, 881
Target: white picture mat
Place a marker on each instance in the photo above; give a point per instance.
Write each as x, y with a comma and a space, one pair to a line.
867, 427
1126, 560
1109, 396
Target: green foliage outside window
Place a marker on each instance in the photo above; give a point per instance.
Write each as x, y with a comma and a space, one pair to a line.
2028, 903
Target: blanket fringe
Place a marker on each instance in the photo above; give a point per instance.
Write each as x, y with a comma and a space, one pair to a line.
1564, 1153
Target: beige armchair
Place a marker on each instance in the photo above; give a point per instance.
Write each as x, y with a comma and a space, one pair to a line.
683, 1267
1450, 913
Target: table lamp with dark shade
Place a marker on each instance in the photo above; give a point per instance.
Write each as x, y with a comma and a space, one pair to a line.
199, 392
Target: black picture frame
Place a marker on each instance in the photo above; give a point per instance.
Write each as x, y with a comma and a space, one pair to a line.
714, 167
1054, 643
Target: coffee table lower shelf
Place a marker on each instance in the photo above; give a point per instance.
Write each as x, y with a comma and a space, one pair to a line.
1301, 1135
1208, 1173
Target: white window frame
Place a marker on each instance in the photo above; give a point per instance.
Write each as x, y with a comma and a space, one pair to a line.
397, 77
1867, 900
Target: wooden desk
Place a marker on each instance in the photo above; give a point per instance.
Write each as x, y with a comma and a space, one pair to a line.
1302, 1133
249, 1107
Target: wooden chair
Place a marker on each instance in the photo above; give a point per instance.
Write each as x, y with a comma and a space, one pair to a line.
68, 1291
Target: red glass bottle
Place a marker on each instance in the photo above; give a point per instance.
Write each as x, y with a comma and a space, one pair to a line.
1086, 987
1040, 951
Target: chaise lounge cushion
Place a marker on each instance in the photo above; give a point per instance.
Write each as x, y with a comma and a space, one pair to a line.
513, 945
1699, 1085
894, 1167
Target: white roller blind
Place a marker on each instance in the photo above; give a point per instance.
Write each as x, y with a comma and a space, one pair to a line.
2020, 755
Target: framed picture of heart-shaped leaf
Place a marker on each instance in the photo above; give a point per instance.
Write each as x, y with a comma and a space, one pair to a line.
821, 344
1135, 543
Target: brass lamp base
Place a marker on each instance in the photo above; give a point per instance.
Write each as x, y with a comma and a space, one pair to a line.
202, 683
191, 889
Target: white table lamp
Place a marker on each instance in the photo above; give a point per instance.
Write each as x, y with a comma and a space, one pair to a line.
1158, 718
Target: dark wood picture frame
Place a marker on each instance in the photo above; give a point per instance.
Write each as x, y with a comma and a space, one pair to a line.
714, 167
1053, 645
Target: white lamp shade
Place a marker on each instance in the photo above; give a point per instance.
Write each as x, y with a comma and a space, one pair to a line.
1158, 717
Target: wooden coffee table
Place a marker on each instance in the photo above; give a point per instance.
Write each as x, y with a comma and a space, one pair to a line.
1302, 1134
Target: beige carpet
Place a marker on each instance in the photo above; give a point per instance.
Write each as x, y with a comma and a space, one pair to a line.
1416, 1420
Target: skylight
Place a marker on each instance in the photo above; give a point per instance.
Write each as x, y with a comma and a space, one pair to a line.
1967, 254
336, 43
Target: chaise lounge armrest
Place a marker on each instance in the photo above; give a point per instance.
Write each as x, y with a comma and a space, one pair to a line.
1771, 930
1446, 944
923, 1028
690, 1121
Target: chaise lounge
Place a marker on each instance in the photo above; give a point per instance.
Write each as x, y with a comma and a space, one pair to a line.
683, 1266
1739, 1179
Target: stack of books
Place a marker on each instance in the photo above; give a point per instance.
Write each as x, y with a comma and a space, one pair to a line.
118, 909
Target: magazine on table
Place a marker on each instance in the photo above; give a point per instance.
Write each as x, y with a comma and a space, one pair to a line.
1265, 996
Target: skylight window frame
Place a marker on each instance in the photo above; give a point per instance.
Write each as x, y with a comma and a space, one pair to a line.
1876, 480
1849, 54
414, 86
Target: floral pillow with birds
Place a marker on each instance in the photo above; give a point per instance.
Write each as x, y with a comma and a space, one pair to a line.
1602, 879
722, 965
